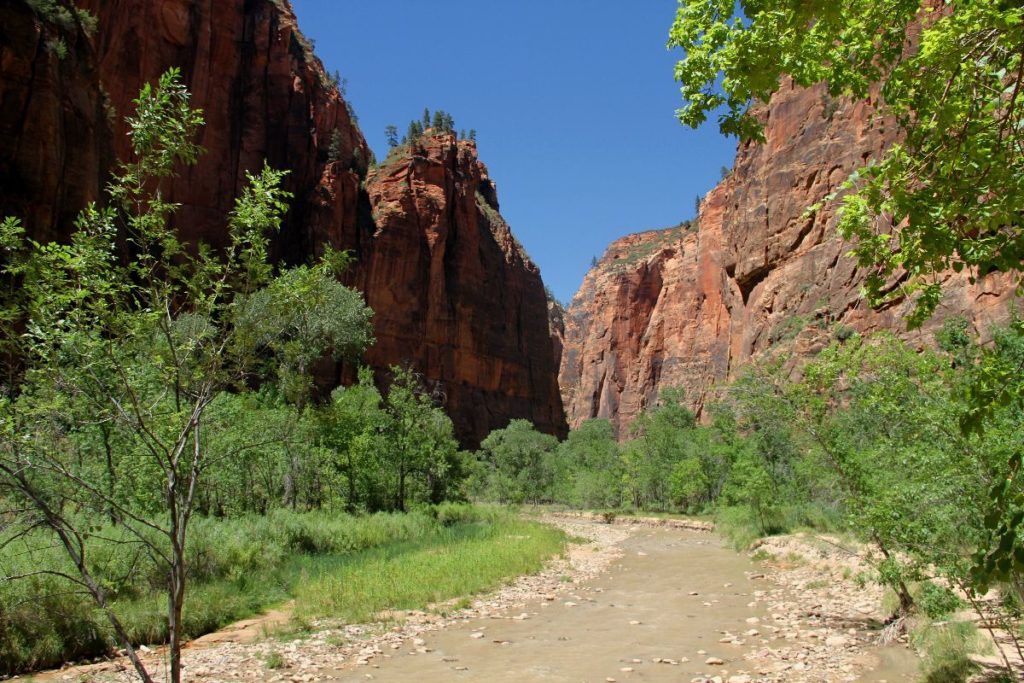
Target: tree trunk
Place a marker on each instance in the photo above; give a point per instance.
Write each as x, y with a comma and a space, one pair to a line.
176, 597
351, 504
401, 488
111, 476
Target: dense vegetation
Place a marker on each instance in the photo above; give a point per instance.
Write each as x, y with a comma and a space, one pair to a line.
950, 193
867, 442
333, 565
157, 395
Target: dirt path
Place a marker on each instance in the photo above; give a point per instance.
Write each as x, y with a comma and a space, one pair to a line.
639, 602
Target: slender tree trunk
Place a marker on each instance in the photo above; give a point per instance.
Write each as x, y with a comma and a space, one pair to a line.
111, 480
175, 583
76, 553
401, 488
906, 601
351, 505
176, 602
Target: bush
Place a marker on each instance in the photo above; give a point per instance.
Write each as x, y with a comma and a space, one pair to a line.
936, 601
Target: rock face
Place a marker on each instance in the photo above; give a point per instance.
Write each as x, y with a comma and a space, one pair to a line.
54, 133
265, 97
454, 293
755, 276
453, 296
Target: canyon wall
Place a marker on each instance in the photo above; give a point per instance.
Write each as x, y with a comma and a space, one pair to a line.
453, 297
754, 276
265, 98
454, 292
55, 136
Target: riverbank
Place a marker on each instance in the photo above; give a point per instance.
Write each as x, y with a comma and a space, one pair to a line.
633, 600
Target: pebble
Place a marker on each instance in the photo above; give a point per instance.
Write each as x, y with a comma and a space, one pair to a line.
805, 646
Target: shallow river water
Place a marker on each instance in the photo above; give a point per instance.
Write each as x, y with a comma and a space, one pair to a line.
615, 626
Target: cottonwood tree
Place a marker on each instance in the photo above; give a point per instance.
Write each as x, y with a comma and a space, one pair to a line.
419, 447
948, 195
127, 331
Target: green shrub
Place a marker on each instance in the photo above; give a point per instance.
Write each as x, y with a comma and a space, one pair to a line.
936, 601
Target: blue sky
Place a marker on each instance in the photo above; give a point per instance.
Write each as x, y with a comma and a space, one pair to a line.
573, 102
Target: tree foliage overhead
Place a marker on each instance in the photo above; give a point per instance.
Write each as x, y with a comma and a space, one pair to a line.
950, 194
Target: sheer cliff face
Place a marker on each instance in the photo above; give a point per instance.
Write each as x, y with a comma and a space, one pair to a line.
265, 97
55, 142
453, 296
756, 277
454, 293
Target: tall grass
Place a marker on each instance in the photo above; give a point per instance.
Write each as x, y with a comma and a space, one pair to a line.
946, 649
237, 568
741, 525
458, 561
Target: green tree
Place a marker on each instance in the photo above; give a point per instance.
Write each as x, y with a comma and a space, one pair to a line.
586, 467
950, 194
391, 135
660, 437
346, 427
414, 133
517, 463
138, 349
418, 444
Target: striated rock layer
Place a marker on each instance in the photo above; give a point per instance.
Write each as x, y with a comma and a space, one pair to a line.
453, 296
55, 140
754, 277
265, 98
454, 292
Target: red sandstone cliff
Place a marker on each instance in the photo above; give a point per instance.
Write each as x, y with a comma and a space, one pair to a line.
756, 277
55, 141
265, 97
453, 291
452, 295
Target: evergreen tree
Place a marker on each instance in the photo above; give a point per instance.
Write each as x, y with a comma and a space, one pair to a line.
334, 150
415, 132
391, 135
426, 118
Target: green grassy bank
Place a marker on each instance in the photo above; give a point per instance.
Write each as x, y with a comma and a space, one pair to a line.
332, 565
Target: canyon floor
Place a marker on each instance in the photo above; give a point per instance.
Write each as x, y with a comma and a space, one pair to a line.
633, 601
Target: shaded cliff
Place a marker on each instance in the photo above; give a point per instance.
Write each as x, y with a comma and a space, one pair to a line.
452, 295
755, 277
55, 136
265, 97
